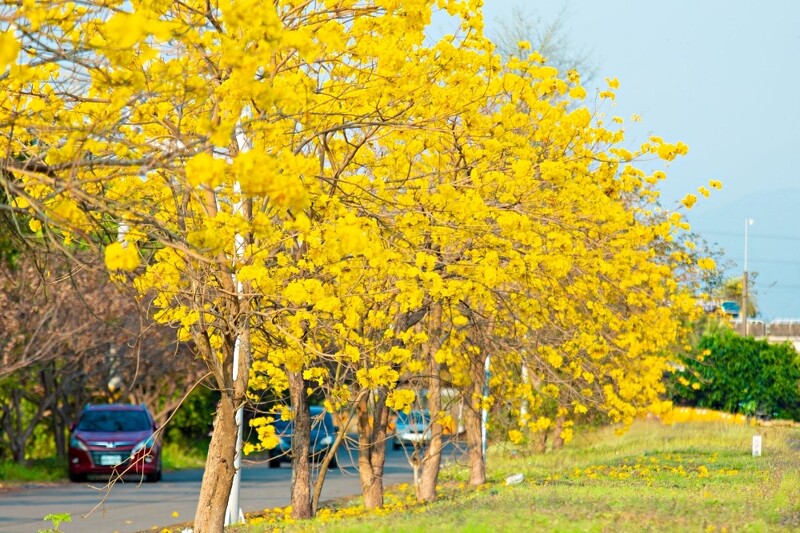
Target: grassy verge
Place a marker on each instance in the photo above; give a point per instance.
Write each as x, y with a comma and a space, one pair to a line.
684, 477
39, 471
176, 457
12, 475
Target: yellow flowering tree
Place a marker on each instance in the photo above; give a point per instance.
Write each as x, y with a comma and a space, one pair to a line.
185, 141
561, 276
318, 196
358, 294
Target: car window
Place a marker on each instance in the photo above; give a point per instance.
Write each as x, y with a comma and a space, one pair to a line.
322, 422
414, 417
111, 421
419, 418
283, 427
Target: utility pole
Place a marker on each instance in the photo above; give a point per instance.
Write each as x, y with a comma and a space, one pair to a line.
484, 411
747, 223
233, 512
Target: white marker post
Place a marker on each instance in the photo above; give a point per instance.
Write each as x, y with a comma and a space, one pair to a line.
756, 445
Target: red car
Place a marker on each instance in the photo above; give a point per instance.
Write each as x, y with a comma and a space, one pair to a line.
114, 438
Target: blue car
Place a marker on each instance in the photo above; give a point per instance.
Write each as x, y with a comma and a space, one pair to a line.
323, 434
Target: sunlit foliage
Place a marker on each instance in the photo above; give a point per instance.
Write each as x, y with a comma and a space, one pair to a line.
299, 183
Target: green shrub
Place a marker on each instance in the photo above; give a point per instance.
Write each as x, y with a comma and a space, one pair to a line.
176, 456
740, 375
52, 469
192, 422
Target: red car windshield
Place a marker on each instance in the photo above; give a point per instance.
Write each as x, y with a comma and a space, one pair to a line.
113, 421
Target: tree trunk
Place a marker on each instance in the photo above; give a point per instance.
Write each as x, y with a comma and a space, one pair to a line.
218, 476
215, 489
301, 439
558, 440
432, 460
18, 422
540, 442
12, 425
473, 424
323, 469
372, 447
57, 421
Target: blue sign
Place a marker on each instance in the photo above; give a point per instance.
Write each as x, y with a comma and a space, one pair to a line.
732, 308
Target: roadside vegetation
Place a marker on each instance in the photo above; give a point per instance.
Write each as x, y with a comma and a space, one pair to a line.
352, 213
54, 469
694, 475
39, 470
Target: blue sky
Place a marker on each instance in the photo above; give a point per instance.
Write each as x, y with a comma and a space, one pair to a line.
723, 77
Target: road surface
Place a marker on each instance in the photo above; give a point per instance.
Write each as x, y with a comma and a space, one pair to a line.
133, 507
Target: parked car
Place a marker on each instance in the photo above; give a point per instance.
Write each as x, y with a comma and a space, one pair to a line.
114, 438
323, 434
413, 427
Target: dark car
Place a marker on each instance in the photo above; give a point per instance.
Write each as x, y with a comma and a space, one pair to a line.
323, 434
114, 438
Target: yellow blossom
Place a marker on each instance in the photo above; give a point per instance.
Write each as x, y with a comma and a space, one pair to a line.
121, 256
515, 436
9, 49
689, 200
706, 263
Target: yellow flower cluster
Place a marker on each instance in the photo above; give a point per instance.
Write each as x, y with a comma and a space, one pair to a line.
650, 468
372, 206
691, 414
121, 256
398, 498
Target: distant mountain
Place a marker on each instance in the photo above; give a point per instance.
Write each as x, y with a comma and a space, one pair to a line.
773, 241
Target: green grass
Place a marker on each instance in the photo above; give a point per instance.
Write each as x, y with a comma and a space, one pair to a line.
174, 457
687, 477
38, 471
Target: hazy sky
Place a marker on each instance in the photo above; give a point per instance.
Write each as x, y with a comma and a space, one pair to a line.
723, 77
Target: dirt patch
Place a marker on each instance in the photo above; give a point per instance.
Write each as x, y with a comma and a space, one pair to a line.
791, 520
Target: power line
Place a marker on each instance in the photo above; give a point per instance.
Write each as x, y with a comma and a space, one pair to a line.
778, 288
752, 235
773, 261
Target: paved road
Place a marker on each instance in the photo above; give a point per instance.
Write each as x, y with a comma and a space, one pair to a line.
133, 507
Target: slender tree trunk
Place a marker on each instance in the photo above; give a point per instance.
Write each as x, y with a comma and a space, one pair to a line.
56, 414
558, 440
473, 425
12, 427
540, 442
24, 423
432, 460
218, 476
215, 489
301, 439
372, 447
323, 470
